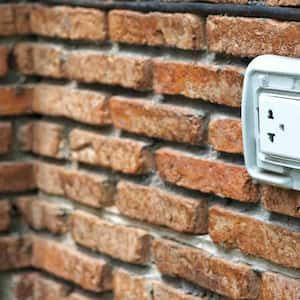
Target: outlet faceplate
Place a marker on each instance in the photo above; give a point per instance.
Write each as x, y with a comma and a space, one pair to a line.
271, 120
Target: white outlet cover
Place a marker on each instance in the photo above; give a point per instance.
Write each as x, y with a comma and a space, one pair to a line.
271, 120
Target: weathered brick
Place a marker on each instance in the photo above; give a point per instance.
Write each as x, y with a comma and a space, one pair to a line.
81, 105
15, 100
162, 291
252, 36
161, 208
70, 23
15, 253
16, 177
5, 137
41, 214
14, 19
221, 85
126, 71
185, 31
167, 122
40, 59
33, 286
5, 218
281, 201
226, 135
90, 273
43, 138
4, 51
283, 2
208, 176
278, 287
272, 242
86, 188
125, 155
203, 269
125, 243
127, 286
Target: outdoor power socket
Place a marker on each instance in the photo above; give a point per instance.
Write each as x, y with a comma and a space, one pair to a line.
271, 120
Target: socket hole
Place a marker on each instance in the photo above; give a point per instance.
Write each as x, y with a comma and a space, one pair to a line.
271, 137
270, 114
281, 126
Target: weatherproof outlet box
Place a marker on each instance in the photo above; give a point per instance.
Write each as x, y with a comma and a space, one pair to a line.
271, 120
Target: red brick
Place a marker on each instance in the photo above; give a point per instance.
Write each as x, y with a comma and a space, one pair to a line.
125, 155
126, 71
16, 177
14, 19
271, 242
4, 51
221, 85
161, 208
83, 187
185, 31
226, 135
252, 36
15, 253
127, 286
281, 201
43, 215
39, 59
165, 292
5, 137
125, 243
15, 100
81, 105
70, 23
90, 273
43, 138
278, 287
203, 269
208, 176
33, 286
5, 218
172, 123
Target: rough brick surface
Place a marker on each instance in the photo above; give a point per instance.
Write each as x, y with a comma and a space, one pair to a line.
283, 2
81, 105
278, 287
14, 19
226, 135
252, 36
272, 242
43, 138
123, 155
185, 31
5, 137
125, 243
222, 85
15, 253
161, 208
88, 272
5, 218
89, 189
43, 215
167, 122
3, 60
127, 286
208, 176
68, 22
15, 100
126, 71
16, 177
200, 267
281, 201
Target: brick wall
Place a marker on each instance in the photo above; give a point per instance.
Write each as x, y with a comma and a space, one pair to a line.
121, 173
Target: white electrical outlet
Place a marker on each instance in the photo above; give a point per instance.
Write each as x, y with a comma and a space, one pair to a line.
271, 120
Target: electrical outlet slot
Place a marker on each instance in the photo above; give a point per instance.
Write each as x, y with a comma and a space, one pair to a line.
270, 114
271, 137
